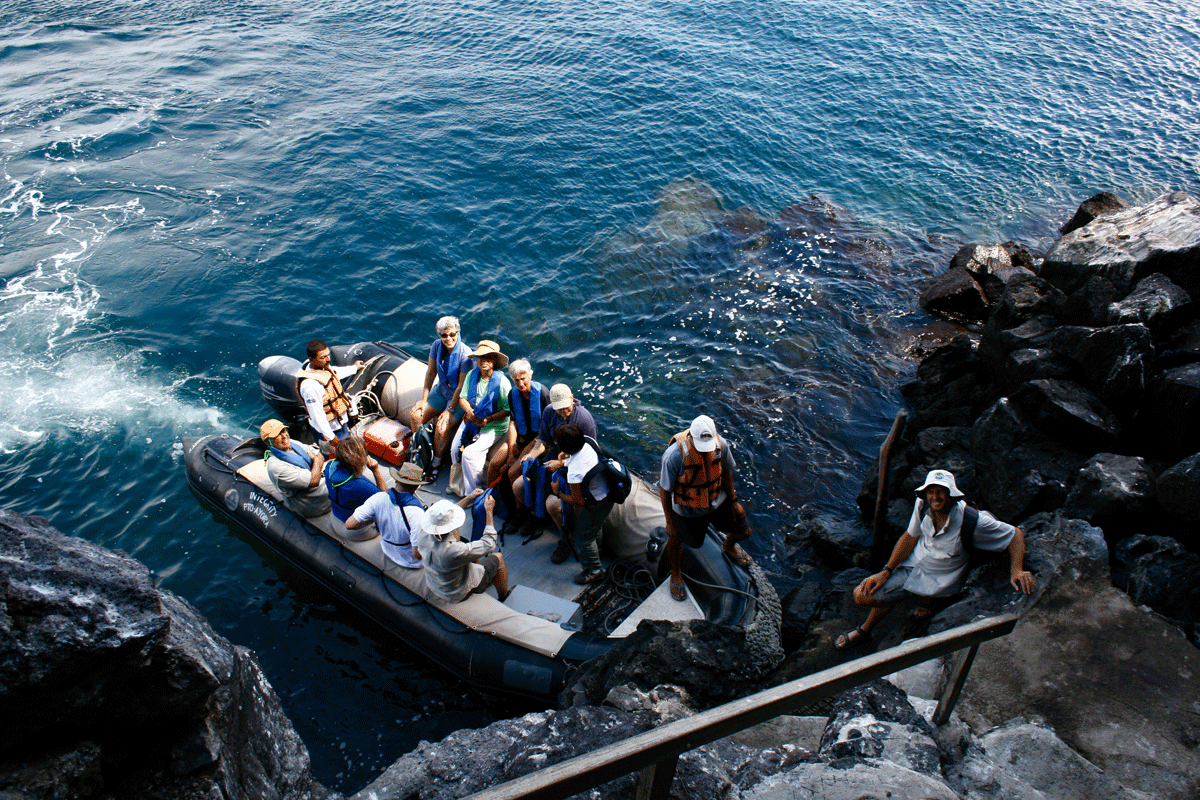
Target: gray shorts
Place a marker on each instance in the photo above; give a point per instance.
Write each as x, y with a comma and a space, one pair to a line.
893, 591
491, 565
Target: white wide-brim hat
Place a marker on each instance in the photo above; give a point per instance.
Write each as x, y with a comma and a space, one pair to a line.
443, 517
940, 477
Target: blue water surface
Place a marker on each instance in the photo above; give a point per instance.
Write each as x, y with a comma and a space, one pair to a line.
725, 207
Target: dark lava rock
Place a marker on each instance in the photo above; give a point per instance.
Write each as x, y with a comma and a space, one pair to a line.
981, 260
1181, 349
1029, 364
1162, 574
1089, 305
1025, 296
1155, 302
1033, 334
800, 607
1053, 542
954, 294
836, 543
1019, 471
711, 662
101, 667
1127, 245
1169, 417
949, 387
1114, 492
1091, 208
1179, 490
876, 720
997, 283
1068, 413
1114, 361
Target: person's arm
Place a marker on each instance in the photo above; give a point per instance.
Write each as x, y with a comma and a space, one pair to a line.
362, 517
669, 513
467, 501
874, 583
727, 485
378, 473
430, 376
314, 403
1019, 577
575, 498
535, 449
317, 466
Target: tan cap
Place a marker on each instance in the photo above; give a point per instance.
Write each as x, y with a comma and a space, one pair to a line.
409, 474
271, 428
560, 396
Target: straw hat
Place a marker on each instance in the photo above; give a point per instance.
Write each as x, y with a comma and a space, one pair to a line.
489, 348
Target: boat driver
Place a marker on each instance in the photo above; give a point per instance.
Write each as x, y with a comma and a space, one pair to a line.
324, 398
295, 470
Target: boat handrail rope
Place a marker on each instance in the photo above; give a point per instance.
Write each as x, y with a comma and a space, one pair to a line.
656, 752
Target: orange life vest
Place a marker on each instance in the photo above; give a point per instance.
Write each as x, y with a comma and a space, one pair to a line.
699, 482
335, 400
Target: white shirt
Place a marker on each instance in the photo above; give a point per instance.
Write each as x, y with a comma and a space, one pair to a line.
578, 467
313, 394
939, 561
396, 525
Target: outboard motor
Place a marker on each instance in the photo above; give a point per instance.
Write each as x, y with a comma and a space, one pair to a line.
277, 379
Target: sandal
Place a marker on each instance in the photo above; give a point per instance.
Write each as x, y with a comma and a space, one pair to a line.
678, 592
738, 556
848, 639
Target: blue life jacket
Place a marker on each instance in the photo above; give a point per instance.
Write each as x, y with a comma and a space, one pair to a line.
527, 417
297, 458
449, 364
404, 500
485, 406
479, 513
346, 491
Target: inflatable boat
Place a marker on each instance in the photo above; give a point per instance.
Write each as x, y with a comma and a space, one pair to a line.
548, 625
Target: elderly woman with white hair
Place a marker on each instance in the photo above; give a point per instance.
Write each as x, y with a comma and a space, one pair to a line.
449, 364
526, 402
930, 560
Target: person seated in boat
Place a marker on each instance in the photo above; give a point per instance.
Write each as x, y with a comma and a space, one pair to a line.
696, 489
295, 470
586, 493
449, 364
327, 404
532, 486
527, 401
484, 400
397, 513
349, 488
930, 560
455, 569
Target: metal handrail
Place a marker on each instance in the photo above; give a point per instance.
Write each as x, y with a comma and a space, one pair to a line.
656, 751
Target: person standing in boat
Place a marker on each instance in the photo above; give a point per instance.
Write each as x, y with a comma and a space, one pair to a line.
397, 513
532, 486
349, 488
324, 398
295, 470
696, 489
455, 569
930, 560
449, 364
484, 400
586, 494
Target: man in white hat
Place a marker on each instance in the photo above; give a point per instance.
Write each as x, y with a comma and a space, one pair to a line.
398, 515
295, 469
930, 559
455, 569
696, 490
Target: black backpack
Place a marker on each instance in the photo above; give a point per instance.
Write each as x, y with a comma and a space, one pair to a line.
620, 482
421, 449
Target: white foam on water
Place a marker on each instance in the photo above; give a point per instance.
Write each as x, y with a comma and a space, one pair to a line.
64, 371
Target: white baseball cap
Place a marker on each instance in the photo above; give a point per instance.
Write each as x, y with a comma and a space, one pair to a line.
704, 434
560, 396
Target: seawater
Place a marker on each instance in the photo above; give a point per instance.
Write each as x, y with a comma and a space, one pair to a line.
189, 187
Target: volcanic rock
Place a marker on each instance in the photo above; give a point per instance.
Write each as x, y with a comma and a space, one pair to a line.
876, 720
1179, 490
1125, 246
1170, 414
1090, 304
1091, 208
1114, 492
1113, 361
123, 689
955, 294
1068, 413
1155, 302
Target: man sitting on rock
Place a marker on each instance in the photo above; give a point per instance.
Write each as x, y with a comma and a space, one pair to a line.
930, 560
295, 470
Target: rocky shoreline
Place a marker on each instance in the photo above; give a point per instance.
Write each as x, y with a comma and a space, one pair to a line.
1070, 404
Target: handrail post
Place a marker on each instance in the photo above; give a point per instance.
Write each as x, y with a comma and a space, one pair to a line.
954, 684
655, 780
879, 552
